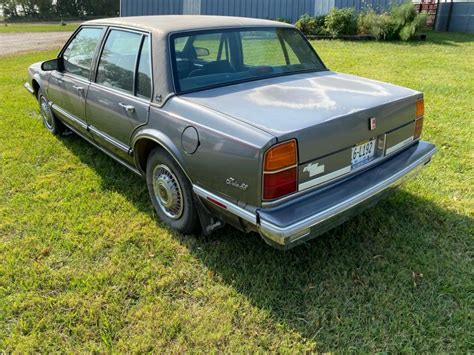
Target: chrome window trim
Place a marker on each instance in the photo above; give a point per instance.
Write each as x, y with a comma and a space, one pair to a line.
119, 92
171, 35
94, 56
99, 54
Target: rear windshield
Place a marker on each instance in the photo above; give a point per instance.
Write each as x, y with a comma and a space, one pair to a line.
215, 58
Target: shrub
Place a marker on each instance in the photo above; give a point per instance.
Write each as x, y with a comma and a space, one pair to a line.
406, 20
307, 24
282, 19
341, 22
401, 22
310, 25
380, 26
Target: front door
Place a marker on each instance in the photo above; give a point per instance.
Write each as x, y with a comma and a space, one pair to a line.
119, 99
68, 88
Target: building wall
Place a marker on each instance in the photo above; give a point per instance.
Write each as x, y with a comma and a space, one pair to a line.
460, 20
268, 9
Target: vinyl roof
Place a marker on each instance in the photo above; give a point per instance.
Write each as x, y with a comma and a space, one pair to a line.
161, 26
176, 23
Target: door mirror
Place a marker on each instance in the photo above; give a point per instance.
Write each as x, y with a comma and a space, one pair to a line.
201, 52
50, 65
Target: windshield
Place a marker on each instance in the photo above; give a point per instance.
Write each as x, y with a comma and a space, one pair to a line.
214, 58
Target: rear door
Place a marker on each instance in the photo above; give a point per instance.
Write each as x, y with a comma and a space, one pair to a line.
118, 100
68, 87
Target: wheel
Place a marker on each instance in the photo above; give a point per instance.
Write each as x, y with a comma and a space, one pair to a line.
171, 192
51, 123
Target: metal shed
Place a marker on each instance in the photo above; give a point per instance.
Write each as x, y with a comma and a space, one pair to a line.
455, 16
266, 9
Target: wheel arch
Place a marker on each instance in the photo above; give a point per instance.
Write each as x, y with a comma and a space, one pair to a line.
36, 83
144, 142
36, 86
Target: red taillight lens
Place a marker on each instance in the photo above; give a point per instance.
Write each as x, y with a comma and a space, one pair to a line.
279, 184
280, 171
418, 127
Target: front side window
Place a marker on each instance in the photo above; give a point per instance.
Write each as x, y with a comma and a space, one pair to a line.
206, 59
77, 56
117, 63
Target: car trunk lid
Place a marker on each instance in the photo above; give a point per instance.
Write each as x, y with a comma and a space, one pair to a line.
325, 111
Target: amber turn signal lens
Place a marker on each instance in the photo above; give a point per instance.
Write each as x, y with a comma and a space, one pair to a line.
420, 108
280, 156
418, 127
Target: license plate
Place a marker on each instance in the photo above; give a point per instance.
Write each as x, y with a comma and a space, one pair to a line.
363, 152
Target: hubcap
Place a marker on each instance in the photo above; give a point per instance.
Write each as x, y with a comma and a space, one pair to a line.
46, 113
167, 191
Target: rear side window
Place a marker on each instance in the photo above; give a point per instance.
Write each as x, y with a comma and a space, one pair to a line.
78, 54
144, 70
270, 49
117, 62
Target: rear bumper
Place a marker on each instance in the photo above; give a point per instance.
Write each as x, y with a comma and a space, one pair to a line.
314, 213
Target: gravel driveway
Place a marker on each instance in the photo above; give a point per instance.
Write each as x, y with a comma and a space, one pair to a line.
11, 43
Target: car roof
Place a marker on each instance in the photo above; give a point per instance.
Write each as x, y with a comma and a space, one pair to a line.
160, 27
165, 24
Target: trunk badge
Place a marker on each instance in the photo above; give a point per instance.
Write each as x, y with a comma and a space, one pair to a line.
372, 123
313, 169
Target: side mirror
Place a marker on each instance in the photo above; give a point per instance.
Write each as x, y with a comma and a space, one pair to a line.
201, 52
50, 65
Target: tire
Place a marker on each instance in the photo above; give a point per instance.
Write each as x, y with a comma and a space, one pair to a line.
51, 123
171, 192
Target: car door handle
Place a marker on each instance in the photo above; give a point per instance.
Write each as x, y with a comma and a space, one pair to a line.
128, 108
79, 89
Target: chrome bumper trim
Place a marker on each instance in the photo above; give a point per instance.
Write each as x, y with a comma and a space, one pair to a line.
282, 235
28, 87
285, 236
231, 207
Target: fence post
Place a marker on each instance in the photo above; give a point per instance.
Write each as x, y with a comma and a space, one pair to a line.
436, 15
448, 22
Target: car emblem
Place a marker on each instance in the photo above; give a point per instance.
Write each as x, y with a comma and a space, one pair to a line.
372, 123
313, 169
232, 182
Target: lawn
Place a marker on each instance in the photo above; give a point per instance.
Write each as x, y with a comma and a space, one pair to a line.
37, 27
85, 266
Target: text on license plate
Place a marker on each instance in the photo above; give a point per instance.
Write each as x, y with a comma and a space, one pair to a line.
363, 152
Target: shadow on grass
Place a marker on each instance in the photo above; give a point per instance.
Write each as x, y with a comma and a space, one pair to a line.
396, 271
440, 38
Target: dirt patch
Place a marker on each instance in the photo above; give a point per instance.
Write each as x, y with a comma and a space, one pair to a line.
12, 43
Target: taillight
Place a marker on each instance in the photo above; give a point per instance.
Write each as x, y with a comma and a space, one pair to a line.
280, 170
420, 112
420, 108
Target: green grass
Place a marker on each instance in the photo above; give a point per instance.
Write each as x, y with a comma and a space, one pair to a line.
85, 266
37, 27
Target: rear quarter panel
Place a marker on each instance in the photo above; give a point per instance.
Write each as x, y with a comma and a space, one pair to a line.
228, 149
